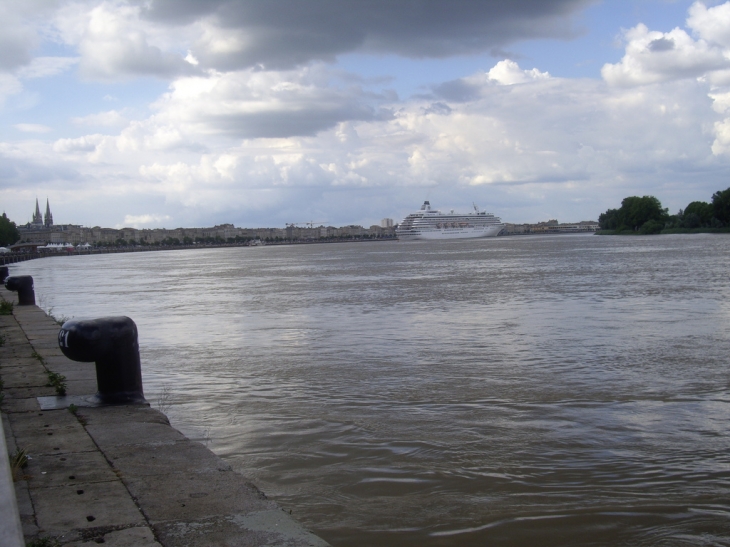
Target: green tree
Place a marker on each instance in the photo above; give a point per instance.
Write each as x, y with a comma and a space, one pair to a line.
721, 206
651, 227
8, 231
608, 220
698, 213
636, 211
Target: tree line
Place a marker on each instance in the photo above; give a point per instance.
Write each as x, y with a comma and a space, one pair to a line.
645, 215
8, 231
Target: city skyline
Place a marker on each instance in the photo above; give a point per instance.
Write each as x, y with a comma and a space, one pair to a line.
166, 114
45, 221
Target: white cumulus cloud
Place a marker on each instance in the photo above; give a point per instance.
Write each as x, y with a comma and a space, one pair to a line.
87, 143
703, 54
711, 24
509, 73
653, 56
115, 44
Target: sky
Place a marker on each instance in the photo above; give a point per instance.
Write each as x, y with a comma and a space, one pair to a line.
183, 113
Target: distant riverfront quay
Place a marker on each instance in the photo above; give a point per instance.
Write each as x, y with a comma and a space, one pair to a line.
42, 231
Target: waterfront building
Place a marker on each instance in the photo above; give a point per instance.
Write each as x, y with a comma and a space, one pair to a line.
552, 227
41, 231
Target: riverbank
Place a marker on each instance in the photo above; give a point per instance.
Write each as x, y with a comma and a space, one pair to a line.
119, 475
15, 257
668, 231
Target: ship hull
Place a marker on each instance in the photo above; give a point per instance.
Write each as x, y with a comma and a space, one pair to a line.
489, 231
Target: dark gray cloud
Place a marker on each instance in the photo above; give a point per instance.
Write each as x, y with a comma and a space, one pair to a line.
13, 52
285, 33
661, 44
458, 91
21, 173
298, 123
18, 37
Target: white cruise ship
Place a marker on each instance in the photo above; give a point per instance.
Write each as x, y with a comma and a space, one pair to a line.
433, 224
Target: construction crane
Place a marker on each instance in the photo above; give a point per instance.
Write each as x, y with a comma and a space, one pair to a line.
309, 224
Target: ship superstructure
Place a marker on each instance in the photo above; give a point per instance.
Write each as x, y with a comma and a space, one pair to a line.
433, 224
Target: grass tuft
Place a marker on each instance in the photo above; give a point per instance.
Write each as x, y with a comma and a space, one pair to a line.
73, 409
60, 319
6, 308
18, 462
57, 381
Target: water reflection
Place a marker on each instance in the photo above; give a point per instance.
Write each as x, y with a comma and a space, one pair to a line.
565, 390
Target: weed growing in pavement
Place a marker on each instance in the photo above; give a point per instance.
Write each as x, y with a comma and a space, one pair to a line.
60, 319
18, 462
57, 381
38, 356
73, 409
6, 308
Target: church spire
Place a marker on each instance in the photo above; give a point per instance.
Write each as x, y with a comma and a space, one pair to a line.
37, 217
49, 216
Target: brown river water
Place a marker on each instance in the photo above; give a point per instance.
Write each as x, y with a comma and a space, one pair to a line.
521, 391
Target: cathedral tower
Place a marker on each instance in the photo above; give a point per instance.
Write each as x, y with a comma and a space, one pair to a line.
37, 217
49, 216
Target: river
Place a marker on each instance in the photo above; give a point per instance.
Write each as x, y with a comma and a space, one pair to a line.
515, 391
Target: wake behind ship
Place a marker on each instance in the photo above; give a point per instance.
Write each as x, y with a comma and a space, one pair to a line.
433, 224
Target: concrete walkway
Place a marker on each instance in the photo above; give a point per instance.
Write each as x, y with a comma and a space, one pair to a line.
118, 475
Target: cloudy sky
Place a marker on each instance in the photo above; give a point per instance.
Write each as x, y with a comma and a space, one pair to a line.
167, 113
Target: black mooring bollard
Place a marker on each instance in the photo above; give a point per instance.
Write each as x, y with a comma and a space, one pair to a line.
4, 273
111, 342
23, 284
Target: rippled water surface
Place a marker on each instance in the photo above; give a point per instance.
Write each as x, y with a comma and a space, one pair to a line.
564, 390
